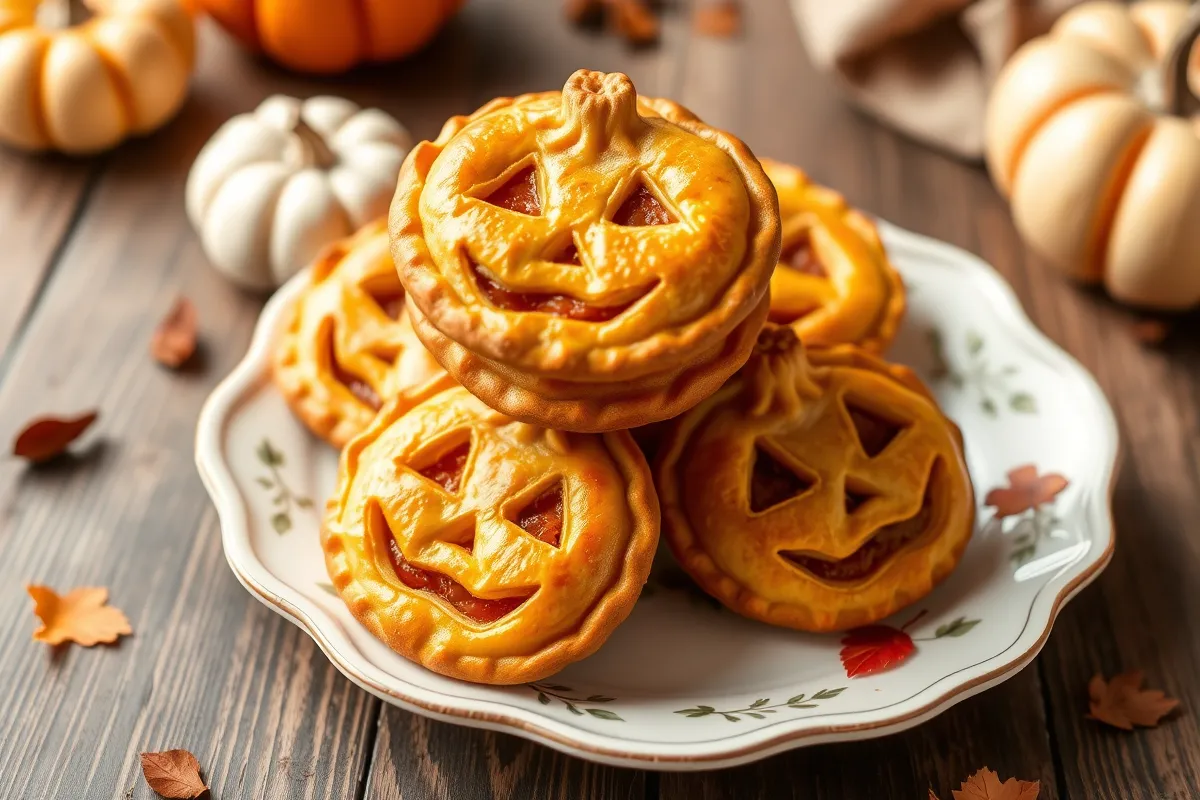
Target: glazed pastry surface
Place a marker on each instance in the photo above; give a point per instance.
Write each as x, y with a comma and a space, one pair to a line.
560, 248
484, 548
820, 490
834, 283
349, 344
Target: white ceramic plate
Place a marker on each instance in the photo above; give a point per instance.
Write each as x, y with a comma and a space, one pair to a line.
683, 684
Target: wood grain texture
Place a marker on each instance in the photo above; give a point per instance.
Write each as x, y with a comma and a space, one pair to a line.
39, 198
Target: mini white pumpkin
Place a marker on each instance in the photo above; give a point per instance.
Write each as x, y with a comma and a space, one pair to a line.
271, 189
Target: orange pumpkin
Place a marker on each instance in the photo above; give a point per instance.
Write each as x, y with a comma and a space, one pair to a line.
329, 36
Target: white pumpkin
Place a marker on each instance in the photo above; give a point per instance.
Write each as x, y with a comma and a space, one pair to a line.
271, 189
1087, 136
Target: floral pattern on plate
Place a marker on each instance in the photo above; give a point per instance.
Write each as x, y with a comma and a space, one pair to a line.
663, 689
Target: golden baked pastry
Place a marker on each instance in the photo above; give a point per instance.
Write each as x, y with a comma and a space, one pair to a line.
349, 343
834, 283
484, 548
585, 259
820, 492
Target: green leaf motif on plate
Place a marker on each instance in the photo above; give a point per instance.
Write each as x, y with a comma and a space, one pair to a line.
959, 627
579, 706
284, 498
760, 708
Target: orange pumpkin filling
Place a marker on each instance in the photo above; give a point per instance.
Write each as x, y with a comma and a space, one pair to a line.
801, 257
474, 608
447, 471
519, 194
642, 208
543, 518
771, 483
876, 552
560, 305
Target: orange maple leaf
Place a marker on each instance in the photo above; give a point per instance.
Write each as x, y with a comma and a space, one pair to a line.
1026, 489
79, 616
986, 785
1123, 703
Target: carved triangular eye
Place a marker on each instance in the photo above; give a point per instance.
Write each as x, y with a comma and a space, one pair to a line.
642, 208
447, 471
771, 483
519, 193
800, 256
543, 517
390, 304
874, 432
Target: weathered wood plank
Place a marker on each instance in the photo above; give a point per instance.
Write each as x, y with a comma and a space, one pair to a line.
39, 199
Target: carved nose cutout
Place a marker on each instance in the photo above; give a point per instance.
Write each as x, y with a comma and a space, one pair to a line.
856, 497
362, 391
569, 255
772, 483
447, 471
543, 518
391, 305
519, 193
642, 208
874, 432
800, 256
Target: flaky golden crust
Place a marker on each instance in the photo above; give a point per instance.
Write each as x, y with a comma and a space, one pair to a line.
593, 407
569, 596
846, 503
339, 328
861, 299
685, 285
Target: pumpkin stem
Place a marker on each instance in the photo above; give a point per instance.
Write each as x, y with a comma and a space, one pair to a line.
1179, 96
312, 145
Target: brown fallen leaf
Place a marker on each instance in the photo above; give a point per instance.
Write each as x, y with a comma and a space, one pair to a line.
79, 616
1123, 703
46, 437
722, 19
584, 12
635, 21
174, 339
173, 774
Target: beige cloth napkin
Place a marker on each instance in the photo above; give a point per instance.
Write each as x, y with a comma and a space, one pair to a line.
923, 66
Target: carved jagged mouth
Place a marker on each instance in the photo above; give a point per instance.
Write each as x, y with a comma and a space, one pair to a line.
875, 553
476, 609
560, 305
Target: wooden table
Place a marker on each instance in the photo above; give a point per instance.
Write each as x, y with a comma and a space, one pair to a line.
94, 251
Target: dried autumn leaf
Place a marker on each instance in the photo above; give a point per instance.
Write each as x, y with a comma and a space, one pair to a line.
174, 339
635, 21
79, 616
986, 785
873, 648
47, 437
1123, 703
1026, 489
174, 774
584, 12
722, 19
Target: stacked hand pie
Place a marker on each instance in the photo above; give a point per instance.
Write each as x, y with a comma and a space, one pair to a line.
561, 267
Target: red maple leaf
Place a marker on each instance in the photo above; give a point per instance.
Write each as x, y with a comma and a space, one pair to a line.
874, 648
1026, 489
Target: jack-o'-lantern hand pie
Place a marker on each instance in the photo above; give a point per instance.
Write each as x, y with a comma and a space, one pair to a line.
834, 283
817, 491
586, 259
349, 344
484, 548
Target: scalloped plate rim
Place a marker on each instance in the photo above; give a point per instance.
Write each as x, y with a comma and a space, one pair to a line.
621, 751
